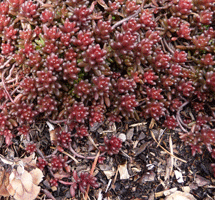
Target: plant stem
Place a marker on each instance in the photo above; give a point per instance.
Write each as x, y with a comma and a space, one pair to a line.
65, 183
178, 118
48, 194
2, 66
4, 85
129, 17
11, 71
57, 121
80, 156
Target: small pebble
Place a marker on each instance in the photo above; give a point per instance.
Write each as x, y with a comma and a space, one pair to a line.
122, 136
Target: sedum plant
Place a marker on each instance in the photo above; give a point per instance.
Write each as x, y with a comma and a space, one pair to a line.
78, 64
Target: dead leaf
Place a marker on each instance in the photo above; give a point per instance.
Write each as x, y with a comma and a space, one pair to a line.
29, 161
37, 176
21, 181
29, 196
4, 179
27, 181
16, 187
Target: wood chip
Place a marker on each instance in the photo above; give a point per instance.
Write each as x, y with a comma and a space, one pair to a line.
200, 181
180, 196
130, 133
141, 148
178, 176
186, 189
165, 192
147, 177
123, 171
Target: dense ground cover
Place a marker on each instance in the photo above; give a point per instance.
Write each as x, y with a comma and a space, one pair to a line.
76, 66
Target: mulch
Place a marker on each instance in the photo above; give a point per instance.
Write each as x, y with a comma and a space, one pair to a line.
152, 164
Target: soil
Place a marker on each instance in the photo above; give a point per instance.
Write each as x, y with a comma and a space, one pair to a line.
145, 168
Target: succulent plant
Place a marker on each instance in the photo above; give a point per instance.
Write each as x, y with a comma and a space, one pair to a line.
58, 163
47, 16
154, 109
30, 148
96, 114
79, 64
24, 113
78, 113
63, 139
41, 163
82, 181
112, 145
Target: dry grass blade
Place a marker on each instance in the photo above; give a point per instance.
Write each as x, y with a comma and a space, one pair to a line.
170, 161
114, 180
138, 124
64, 152
171, 151
73, 158
92, 141
153, 136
